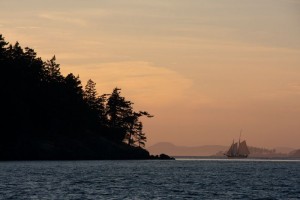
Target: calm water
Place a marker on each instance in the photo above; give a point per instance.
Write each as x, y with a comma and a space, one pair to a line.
179, 179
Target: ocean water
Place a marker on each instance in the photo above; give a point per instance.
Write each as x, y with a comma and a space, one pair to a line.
151, 179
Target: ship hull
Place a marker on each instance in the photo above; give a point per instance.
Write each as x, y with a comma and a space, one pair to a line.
237, 156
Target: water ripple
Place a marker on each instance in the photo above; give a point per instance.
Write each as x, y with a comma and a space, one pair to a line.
183, 179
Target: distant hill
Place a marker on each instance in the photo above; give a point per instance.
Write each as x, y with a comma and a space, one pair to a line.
173, 150
295, 153
284, 149
218, 150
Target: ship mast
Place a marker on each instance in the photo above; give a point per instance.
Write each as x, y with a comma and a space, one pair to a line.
239, 141
238, 149
240, 136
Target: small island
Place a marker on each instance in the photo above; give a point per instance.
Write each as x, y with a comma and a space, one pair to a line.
48, 116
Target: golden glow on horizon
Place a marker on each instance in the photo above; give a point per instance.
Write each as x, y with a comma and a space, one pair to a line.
204, 69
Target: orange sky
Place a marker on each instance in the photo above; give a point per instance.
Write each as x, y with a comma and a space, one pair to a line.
204, 69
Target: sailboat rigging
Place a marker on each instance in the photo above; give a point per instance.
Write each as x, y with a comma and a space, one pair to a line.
238, 149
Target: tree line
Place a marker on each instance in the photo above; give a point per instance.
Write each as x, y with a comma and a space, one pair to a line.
38, 101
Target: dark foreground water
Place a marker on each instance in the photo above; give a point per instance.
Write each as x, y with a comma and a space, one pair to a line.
179, 179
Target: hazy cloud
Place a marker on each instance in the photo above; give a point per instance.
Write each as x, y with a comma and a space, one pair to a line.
61, 17
139, 80
203, 68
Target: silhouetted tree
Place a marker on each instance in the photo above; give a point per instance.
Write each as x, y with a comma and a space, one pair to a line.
141, 138
102, 100
90, 94
75, 106
40, 104
131, 124
121, 116
73, 86
96, 103
52, 69
134, 126
117, 111
16, 52
3, 44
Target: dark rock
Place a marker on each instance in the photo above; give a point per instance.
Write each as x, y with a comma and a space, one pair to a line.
162, 157
165, 157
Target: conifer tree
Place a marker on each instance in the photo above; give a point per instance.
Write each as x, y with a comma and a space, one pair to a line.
90, 94
118, 109
52, 69
118, 112
141, 138
3, 43
95, 103
122, 116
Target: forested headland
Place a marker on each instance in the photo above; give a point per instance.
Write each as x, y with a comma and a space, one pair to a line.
46, 115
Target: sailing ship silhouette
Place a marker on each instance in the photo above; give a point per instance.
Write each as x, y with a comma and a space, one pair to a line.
238, 149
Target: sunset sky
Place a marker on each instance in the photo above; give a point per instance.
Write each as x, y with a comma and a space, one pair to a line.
205, 69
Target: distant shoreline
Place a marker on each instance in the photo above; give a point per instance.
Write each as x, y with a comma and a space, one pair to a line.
225, 158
